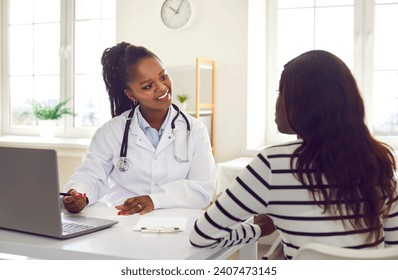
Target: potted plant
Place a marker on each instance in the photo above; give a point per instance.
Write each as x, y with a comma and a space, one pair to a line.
47, 115
183, 100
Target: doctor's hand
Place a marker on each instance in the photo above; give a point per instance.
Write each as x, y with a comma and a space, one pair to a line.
139, 204
75, 202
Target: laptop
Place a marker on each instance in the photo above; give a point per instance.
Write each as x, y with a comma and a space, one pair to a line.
29, 196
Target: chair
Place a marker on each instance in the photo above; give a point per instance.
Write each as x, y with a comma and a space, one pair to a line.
315, 251
275, 251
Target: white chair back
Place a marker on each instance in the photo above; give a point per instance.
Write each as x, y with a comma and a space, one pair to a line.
315, 251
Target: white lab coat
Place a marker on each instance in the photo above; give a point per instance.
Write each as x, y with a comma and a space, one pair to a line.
154, 172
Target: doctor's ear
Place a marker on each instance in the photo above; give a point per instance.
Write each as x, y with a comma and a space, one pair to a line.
129, 94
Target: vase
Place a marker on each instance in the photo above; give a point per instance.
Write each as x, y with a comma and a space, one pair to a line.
47, 128
183, 106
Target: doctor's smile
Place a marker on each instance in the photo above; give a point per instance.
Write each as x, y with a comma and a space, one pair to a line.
164, 97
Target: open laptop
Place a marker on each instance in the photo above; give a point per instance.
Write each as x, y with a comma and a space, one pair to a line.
29, 196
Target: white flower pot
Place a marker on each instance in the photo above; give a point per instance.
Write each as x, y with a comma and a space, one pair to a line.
47, 128
183, 106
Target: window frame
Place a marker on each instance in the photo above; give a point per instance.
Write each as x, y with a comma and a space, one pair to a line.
65, 128
362, 67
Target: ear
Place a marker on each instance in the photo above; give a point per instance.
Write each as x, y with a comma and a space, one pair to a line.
129, 94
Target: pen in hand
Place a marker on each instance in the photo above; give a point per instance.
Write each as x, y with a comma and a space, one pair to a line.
64, 194
79, 195
74, 202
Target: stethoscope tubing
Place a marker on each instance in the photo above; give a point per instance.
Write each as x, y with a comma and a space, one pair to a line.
122, 163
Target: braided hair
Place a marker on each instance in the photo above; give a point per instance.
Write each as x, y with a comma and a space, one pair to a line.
118, 65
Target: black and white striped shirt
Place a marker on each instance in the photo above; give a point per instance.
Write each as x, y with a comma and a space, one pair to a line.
267, 185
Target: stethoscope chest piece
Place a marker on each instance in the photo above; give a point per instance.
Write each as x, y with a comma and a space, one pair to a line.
122, 164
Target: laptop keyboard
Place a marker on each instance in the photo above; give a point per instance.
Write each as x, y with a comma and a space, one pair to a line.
73, 227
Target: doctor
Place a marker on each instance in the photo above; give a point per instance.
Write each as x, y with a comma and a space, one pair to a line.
149, 155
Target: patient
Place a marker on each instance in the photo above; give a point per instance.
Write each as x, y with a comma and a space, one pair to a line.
334, 185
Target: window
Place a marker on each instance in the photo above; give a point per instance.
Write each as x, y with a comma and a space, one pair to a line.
52, 52
385, 69
360, 32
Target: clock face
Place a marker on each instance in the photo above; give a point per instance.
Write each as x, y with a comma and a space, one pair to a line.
176, 13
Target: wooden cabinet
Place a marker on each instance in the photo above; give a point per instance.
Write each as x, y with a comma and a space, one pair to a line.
198, 83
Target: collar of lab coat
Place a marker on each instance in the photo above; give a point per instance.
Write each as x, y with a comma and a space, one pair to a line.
167, 137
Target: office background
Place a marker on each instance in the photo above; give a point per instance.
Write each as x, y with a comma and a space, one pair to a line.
238, 35
218, 30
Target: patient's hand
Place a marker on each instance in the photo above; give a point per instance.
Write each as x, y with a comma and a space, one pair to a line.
75, 202
266, 224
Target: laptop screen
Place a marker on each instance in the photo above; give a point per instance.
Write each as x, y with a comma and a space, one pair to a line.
29, 189
29, 195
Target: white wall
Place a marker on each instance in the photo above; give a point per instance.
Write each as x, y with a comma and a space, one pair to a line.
219, 31
67, 166
256, 99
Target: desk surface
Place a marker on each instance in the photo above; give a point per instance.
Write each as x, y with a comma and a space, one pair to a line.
119, 241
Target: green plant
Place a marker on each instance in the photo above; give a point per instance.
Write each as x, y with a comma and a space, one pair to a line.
47, 112
182, 98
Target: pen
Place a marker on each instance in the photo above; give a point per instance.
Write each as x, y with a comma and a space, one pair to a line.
161, 229
64, 194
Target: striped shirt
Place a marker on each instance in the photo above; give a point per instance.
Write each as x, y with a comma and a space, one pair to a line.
267, 185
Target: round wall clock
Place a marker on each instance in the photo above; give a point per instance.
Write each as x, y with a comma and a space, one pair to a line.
176, 14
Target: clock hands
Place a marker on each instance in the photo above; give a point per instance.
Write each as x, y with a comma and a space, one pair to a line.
179, 6
175, 11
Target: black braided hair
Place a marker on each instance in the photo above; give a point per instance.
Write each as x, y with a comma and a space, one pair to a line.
118, 65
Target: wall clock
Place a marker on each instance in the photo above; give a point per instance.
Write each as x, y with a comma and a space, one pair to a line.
176, 14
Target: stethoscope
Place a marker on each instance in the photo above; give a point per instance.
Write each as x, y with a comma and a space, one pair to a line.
122, 163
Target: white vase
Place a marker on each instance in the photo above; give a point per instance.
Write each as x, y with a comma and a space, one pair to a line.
47, 128
183, 106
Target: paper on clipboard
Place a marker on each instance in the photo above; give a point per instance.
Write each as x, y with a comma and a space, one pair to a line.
161, 224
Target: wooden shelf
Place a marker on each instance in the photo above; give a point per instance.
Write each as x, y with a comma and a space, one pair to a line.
205, 85
198, 82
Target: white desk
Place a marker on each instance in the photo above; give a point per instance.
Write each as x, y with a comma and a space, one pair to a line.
119, 241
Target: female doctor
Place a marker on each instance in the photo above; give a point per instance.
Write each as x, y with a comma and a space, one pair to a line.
149, 155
